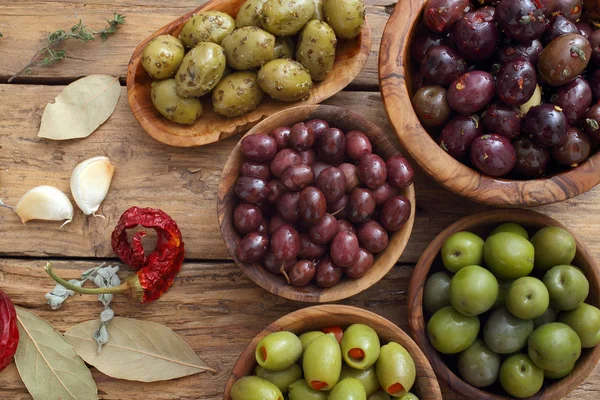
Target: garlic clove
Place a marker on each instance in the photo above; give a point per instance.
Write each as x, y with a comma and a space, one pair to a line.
46, 203
90, 182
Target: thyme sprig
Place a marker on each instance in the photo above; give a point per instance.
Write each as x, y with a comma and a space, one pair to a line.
50, 54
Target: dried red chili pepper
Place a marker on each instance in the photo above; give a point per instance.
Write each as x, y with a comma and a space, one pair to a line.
9, 332
157, 270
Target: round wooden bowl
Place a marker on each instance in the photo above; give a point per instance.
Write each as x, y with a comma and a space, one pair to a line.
350, 58
396, 69
323, 316
482, 224
345, 120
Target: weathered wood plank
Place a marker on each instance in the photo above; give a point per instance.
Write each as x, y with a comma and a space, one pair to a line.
26, 23
213, 307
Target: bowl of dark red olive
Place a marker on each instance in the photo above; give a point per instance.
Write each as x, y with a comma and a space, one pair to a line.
316, 203
504, 303
497, 100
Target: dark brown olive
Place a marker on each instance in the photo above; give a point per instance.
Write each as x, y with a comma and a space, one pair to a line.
546, 125
327, 273
357, 145
423, 40
339, 207
247, 218
394, 213
275, 266
440, 15
384, 192
256, 170
571, 9
351, 173
361, 205
372, 236
260, 148
471, 92
252, 247
297, 177
585, 29
575, 150
281, 136
361, 266
285, 242
318, 126
431, 106
459, 133
332, 182
493, 155
308, 157
521, 20
442, 65
344, 249
475, 35
504, 120
574, 99
372, 170
516, 81
309, 249
559, 25
346, 226
399, 171
532, 159
325, 230
288, 207
563, 59
594, 40
251, 190
275, 222
302, 273
530, 51
276, 190
331, 146
301, 137
591, 121
312, 204
283, 160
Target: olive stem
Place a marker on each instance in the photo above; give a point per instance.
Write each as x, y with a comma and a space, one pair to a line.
122, 288
2, 204
282, 270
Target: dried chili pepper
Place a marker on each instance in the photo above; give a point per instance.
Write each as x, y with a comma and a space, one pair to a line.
156, 270
9, 332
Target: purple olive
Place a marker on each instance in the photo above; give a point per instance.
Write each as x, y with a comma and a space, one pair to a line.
283, 160
327, 273
346, 226
493, 155
571, 9
585, 29
575, 150
532, 159
288, 206
459, 133
591, 121
318, 167
574, 99
281, 136
504, 120
325, 230
276, 190
332, 182
308, 157
312, 204
361, 205
301, 137
252, 247
522, 20
442, 65
399, 171
471, 92
252, 190
516, 81
331, 146
309, 249
423, 40
372, 236
260, 148
302, 273
351, 173
530, 51
338, 208
546, 125
297, 177
361, 266
440, 15
247, 218
475, 35
372, 170
559, 25
318, 126
384, 192
394, 213
594, 40
344, 249
275, 266
357, 145
285, 243
594, 83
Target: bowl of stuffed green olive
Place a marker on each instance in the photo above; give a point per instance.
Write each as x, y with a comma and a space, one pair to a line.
332, 352
220, 69
505, 305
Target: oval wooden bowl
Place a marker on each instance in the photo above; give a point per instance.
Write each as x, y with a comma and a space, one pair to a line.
345, 120
351, 56
323, 316
482, 224
396, 69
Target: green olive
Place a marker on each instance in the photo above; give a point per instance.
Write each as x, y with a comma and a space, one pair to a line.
300, 390
360, 346
162, 56
248, 47
286, 17
436, 292
282, 379
395, 369
379, 395
249, 13
511, 227
322, 362
284, 47
175, 108
319, 13
348, 389
285, 80
236, 94
367, 377
201, 70
278, 350
346, 17
255, 388
208, 26
408, 396
316, 49
307, 337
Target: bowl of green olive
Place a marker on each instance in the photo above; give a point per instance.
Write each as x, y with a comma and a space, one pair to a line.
504, 304
333, 352
220, 69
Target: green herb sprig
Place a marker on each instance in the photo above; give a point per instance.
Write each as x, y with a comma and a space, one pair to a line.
49, 54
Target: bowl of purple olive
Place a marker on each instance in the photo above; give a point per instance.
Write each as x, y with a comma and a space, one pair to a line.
316, 203
497, 100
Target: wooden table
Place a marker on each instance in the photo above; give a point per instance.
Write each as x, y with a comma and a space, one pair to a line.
211, 304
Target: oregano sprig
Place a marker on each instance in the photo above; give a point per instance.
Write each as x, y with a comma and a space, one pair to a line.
50, 54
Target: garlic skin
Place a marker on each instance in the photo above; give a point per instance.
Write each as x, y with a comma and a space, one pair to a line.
90, 182
45, 203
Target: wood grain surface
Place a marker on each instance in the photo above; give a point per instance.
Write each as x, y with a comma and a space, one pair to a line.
212, 305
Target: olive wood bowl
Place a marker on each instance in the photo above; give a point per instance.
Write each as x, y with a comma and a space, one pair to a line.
482, 224
396, 69
323, 316
350, 58
345, 120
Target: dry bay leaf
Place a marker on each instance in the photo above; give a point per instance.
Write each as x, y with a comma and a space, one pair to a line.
48, 364
137, 350
80, 108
